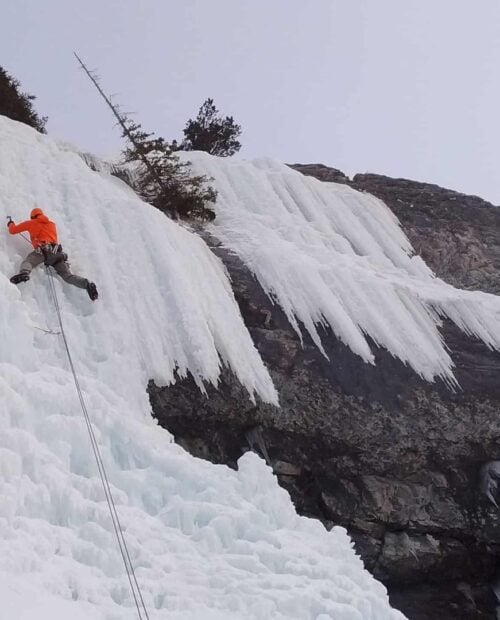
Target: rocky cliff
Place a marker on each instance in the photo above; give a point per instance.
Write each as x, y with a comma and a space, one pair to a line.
402, 464
457, 235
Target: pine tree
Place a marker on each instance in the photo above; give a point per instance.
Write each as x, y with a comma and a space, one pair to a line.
163, 180
18, 105
211, 133
160, 177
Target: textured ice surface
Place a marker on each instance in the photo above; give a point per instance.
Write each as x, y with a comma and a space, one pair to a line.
207, 543
330, 255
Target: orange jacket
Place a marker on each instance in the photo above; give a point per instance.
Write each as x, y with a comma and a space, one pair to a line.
41, 230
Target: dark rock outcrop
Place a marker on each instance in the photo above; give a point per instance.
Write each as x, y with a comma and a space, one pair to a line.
321, 172
395, 460
457, 235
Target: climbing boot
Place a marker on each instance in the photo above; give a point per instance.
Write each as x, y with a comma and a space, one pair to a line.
92, 291
20, 277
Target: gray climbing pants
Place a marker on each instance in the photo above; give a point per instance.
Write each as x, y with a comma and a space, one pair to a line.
61, 267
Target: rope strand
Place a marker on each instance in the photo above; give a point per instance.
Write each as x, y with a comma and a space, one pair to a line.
134, 585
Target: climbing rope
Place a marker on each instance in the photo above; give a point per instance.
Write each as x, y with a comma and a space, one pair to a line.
134, 585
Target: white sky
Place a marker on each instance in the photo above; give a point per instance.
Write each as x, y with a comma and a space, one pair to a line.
400, 87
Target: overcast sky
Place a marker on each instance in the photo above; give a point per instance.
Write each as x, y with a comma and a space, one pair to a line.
400, 87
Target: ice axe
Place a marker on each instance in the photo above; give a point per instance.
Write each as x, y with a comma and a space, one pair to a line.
11, 221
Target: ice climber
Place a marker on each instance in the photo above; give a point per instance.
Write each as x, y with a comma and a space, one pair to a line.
43, 234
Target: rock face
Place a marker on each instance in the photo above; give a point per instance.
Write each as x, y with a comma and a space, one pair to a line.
402, 464
457, 235
322, 172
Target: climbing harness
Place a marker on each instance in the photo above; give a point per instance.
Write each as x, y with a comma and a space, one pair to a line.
52, 254
134, 585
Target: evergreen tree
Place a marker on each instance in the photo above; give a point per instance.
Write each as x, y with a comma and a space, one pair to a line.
162, 179
18, 105
211, 133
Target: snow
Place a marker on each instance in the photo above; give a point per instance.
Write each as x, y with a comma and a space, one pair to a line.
331, 256
207, 543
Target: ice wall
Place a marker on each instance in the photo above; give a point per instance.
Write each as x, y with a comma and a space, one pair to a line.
207, 543
332, 256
